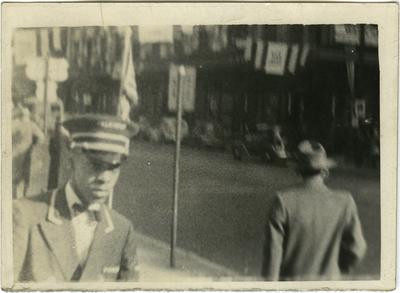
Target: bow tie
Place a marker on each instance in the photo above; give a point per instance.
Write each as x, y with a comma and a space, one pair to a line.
78, 208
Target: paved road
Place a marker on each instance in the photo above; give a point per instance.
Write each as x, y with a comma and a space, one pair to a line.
223, 203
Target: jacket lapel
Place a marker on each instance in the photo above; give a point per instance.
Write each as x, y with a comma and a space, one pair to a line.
58, 231
102, 245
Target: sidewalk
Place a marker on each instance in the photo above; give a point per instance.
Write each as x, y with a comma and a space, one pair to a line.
154, 266
154, 258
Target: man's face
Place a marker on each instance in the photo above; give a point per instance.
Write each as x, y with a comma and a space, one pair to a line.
93, 179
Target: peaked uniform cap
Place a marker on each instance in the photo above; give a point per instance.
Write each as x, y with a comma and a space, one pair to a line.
104, 133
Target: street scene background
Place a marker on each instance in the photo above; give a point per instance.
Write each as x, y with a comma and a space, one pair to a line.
250, 94
223, 203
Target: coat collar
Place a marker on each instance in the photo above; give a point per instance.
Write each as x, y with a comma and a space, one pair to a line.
58, 231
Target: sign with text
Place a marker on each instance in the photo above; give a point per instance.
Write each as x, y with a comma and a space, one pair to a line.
276, 58
186, 79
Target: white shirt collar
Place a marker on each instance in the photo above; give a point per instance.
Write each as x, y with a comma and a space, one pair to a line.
71, 196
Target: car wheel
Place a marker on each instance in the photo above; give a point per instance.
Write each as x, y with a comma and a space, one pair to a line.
237, 154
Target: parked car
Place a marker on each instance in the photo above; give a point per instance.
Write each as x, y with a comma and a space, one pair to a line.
264, 141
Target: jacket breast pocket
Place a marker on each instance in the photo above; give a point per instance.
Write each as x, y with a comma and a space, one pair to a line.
110, 273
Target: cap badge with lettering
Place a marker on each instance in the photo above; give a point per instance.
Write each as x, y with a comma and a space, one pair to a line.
100, 133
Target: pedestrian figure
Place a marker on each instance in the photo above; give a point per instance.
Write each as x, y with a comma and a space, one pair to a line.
312, 232
25, 134
70, 234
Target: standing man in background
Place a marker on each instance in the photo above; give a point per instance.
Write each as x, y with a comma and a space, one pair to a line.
313, 232
25, 134
70, 234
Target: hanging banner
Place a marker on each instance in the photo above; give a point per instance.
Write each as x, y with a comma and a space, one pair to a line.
259, 54
155, 34
276, 58
216, 37
164, 51
248, 49
187, 87
348, 34
24, 46
371, 35
187, 29
196, 38
294, 53
304, 54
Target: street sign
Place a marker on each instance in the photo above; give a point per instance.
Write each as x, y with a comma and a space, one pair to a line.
187, 86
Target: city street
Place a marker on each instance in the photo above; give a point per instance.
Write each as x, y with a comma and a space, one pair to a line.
223, 203
243, 89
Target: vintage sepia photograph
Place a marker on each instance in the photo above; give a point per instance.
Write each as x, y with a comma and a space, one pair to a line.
200, 154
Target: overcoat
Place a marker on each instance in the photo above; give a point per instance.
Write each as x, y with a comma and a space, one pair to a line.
312, 233
44, 245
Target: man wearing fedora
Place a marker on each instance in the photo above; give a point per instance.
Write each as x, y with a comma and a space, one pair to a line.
70, 234
312, 232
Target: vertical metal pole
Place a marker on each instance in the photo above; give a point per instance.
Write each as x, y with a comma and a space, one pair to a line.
46, 77
181, 72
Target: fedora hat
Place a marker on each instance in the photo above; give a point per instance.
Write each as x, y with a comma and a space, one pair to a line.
312, 156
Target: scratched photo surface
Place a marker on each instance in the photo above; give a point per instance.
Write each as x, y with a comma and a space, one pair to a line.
199, 155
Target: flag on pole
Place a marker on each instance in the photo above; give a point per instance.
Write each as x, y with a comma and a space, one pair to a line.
128, 90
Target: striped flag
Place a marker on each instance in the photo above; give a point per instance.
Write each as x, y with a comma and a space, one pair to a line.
128, 90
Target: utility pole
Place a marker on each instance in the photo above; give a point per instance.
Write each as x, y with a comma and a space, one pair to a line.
45, 106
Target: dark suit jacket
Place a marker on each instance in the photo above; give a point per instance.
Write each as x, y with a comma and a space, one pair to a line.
44, 243
312, 234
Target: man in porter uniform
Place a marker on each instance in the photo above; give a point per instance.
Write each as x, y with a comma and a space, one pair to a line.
313, 232
69, 234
